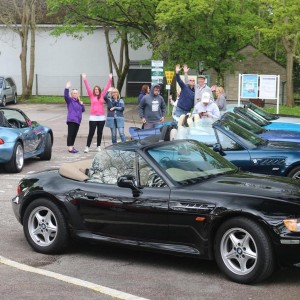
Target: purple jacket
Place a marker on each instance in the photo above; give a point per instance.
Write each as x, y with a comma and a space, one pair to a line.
75, 109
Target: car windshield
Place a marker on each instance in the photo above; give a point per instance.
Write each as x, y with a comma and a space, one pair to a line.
247, 124
261, 112
251, 115
189, 162
250, 139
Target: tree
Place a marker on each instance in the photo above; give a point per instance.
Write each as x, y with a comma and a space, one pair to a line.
282, 22
132, 19
20, 17
208, 31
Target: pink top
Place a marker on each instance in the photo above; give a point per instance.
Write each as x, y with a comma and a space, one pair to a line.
97, 105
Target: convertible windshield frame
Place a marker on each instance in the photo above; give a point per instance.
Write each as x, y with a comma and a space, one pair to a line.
261, 112
244, 122
188, 162
249, 139
251, 115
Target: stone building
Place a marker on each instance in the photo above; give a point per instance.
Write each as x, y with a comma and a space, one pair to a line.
255, 62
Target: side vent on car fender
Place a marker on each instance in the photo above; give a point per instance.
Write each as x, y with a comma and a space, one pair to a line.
195, 207
278, 161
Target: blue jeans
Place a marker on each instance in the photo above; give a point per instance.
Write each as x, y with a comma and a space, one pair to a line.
114, 134
179, 111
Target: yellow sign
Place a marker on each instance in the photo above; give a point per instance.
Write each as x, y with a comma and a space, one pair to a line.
169, 76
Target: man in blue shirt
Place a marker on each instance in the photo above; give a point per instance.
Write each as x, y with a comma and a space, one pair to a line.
186, 99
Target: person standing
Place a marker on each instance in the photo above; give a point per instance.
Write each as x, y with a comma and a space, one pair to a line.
202, 88
152, 108
221, 98
74, 116
115, 117
186, 99
144, 91
97, 114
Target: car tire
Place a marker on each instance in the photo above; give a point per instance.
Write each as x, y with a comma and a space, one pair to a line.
15, 99
16, 164
4, 101
243, 251
295, 173
46, 155
45, 227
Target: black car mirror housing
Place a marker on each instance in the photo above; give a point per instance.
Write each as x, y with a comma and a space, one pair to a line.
129, 181
218, 148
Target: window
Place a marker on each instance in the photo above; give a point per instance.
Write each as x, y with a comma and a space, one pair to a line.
109, 165
147, 176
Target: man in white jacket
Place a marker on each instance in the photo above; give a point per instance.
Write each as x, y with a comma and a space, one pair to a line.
206, 108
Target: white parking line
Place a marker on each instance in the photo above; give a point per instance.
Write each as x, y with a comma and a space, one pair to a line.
82, 283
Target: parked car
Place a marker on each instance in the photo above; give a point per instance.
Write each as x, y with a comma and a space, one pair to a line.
271, 117
21, 138
137, 133
245, 149
266, 134
261, 121
178, 197
8, 90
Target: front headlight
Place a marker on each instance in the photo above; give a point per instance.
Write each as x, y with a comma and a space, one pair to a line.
292, 224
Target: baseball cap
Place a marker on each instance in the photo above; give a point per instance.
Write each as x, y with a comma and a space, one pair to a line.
205, 97
201, 76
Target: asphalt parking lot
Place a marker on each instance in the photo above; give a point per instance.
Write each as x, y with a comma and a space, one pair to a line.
102, 272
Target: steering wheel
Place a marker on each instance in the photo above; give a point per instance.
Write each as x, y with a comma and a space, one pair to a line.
164, 161
155, 181
14, 123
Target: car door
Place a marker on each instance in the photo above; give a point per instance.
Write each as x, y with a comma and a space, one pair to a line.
109, 210
235, 152
8, 91
31, 136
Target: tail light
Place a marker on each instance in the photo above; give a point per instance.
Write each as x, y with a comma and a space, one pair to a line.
18, 189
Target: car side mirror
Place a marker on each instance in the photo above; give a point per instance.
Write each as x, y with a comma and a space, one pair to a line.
129, 181
218, 148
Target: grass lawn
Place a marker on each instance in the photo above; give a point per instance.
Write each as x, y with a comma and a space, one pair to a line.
284, 110
60, 99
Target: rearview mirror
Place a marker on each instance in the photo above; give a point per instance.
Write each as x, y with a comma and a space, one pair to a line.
129, 181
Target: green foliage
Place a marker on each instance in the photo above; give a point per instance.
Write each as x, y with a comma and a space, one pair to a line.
209, 31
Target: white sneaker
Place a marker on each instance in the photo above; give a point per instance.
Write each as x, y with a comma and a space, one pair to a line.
86, 149
99, 148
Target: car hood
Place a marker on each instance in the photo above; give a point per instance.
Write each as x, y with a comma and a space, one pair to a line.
254, 185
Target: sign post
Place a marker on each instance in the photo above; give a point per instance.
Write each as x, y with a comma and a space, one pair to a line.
169, 78
157, 71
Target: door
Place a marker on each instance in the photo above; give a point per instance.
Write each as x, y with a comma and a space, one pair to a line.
109, 210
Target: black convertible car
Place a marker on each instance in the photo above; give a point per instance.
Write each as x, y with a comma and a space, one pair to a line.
177, 196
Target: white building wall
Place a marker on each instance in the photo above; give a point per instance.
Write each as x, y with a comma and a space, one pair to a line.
63, 58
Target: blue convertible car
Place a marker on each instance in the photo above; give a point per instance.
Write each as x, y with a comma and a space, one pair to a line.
271, 117
21, 138
261, 121
245, 149
272, 135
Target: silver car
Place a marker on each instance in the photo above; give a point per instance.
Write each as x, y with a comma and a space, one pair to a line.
8, 90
